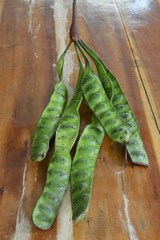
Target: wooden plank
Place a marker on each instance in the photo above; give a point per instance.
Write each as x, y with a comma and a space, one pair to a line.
142, 32
136, 193
124, 206
27, 78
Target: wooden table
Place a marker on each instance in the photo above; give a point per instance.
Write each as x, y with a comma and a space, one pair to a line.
33, 33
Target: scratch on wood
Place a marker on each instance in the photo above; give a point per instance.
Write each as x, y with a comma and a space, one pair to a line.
14, 114
31, 6
60, 19
36, 55
23, 227
65, 219
38, 28
36, 174
130, 227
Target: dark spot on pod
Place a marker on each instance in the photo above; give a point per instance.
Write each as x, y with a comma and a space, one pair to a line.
119, 129
68, 126
51, 109
88, 88
44, 207
70, 116
108, 113
50, 172
88, 76
95, 128
124, 115
55, 199
75, 101
45, 220
52, 184
60, 94
90, 138
60, 88
62, 174
59, 159
138, 153
115, 131
52, 197
84, 197
50, 117
45, 127
41, 127
77, 188
130, 124
117, 96
76, 175
120, 106
133, 142
75, 201
57, 172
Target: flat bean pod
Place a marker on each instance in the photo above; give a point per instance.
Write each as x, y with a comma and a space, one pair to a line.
48, 122
58, 173
50, 117
68, 127
97, 100
136, 149
120, 103
115, 92
83, 166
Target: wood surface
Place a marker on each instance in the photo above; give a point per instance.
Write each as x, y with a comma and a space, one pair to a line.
125, 34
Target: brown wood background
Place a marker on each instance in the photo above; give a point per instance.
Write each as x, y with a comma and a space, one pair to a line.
33, 33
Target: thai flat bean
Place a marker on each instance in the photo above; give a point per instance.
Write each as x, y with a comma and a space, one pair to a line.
48, 122
58, 173
114, 93
83, 166
97, 100
136, 149
50, 117
119, 101
68, 128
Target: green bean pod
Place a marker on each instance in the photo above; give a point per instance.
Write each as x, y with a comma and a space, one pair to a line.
136, 149
97, 100
68, 127
58, 173
66, 135
50, 117
48, 122
83, 166
120, 103
114, 92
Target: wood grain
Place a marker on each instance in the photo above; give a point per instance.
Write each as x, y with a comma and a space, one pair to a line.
126, 36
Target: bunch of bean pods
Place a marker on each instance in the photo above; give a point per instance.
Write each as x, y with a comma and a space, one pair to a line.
111, 114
